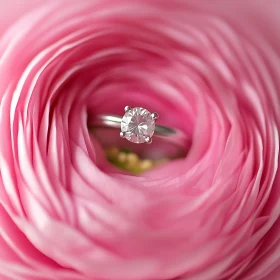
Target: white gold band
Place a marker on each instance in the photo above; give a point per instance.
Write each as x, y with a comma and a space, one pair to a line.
170, 135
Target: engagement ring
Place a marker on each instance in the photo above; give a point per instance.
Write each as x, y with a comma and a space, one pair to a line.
138, 125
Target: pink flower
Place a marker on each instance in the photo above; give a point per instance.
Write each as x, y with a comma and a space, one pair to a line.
210, 69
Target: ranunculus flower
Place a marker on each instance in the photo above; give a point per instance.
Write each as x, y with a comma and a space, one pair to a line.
210, 68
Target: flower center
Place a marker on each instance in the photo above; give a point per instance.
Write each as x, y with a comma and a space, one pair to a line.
130, 161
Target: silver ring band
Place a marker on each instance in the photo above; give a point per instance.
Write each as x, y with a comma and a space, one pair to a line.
170, 135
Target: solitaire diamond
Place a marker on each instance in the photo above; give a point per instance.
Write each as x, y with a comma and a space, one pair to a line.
138, 125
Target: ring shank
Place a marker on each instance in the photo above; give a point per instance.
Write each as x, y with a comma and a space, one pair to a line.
170, 135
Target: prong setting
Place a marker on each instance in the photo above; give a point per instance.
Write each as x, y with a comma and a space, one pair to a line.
127, 108
155, 116
148, 140
138, 125
122, 134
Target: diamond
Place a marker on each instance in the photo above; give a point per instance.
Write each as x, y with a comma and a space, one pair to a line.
138, 125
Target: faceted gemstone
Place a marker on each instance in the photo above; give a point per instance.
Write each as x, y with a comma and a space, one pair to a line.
137, 124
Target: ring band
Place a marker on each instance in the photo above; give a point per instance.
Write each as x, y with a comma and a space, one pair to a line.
170, 135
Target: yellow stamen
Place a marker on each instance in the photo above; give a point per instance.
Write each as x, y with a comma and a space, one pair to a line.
146, 164
130, 161
122, 157
112, 153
